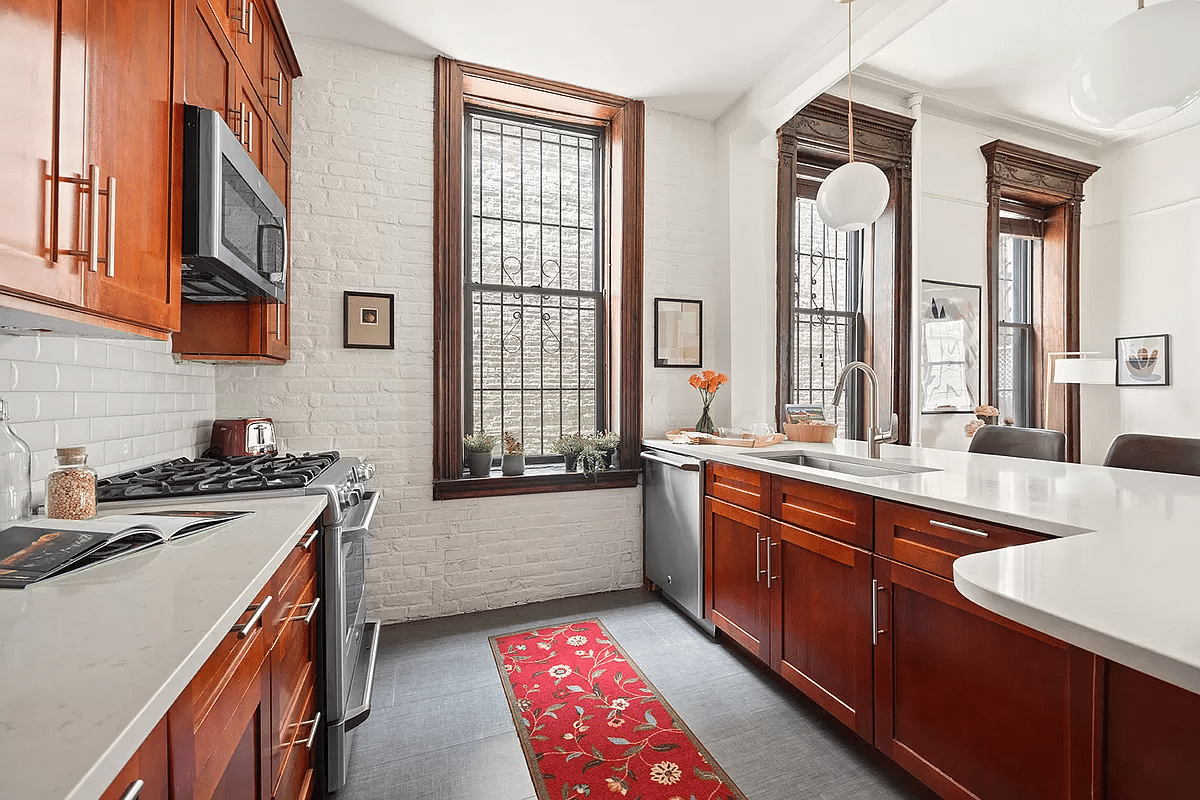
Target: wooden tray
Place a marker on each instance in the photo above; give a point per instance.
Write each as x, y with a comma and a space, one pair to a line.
746, 441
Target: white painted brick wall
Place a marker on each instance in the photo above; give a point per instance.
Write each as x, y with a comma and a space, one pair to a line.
362, 218
127, 401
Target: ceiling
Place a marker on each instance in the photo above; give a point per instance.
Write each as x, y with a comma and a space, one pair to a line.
1011, 59
687, 57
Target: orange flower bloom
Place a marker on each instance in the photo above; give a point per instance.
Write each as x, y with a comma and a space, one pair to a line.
695, 381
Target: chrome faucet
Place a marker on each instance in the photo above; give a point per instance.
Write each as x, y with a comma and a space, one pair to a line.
875, 437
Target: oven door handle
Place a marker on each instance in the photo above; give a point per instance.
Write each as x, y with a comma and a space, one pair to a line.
371, 499
358, 714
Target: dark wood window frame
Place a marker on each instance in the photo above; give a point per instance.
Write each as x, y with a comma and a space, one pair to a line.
459, 85
817, 139
1020, 177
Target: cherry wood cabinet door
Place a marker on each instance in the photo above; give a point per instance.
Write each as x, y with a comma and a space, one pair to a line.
253, 130
208, 62
975, 705
273, 318
278, 84
41, 216
1150, 733
250, 42
823, 630
130, 119
150, 765
737, 600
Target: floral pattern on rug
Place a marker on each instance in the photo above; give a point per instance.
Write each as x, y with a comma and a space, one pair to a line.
592, 725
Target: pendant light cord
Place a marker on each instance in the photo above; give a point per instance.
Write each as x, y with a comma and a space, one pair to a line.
850, 73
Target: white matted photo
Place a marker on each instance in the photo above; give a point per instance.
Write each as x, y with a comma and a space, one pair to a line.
368, 320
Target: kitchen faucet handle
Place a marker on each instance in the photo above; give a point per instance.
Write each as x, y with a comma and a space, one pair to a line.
893, 432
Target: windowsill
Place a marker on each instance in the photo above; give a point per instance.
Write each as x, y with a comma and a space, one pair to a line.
536, 480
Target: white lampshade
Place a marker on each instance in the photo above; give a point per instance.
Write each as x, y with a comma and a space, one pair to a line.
1141, 70
853, 196
1085, 370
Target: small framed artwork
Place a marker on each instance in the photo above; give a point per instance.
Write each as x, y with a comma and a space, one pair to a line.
1144, 360
678, 332
950, 347
369, 320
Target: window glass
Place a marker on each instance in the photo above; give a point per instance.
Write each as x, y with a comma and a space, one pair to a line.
1014, 345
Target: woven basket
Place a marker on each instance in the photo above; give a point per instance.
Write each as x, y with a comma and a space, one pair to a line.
810, 431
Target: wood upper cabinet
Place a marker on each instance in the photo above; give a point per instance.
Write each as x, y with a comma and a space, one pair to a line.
87, 236
975, 705
736, 596
277, 82
150, 766
823, 622
1149, 738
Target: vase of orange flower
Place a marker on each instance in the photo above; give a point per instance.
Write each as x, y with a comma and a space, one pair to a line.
707, 383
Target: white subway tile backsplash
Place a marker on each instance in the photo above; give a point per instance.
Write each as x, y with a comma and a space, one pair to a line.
128, 402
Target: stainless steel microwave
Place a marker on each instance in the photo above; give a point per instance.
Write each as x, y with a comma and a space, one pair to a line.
234, 225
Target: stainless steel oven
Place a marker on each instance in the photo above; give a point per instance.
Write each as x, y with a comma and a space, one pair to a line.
351, 641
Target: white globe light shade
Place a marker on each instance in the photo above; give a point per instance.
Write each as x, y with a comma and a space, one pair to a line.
1141, 70
853, 196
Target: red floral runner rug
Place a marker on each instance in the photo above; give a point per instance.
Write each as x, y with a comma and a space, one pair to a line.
591, 724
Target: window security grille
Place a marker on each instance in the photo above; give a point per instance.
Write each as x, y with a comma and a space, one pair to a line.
534, 305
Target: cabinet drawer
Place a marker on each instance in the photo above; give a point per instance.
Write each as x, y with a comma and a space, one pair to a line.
742, 487
219, 731
294, 578
295, 779
221, 667
293, 677
931, 540
836, 513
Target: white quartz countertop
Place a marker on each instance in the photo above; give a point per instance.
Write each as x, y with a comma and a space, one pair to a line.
91, 661
1118, 578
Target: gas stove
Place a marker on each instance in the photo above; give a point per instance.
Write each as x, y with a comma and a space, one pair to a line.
342, 479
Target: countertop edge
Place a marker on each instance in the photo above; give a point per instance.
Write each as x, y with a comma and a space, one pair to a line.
102, 773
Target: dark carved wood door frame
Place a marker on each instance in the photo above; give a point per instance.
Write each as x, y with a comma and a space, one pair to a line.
1054, 184
818, 136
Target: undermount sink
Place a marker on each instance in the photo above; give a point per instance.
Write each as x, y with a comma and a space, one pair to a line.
847, 466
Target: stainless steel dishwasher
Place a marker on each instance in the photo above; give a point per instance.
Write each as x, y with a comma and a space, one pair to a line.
673, 530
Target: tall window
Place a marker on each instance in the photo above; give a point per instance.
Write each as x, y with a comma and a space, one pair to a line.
827, 319
534, 306
1015, 357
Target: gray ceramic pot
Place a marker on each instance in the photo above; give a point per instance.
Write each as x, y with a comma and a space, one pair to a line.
512, 465
480, 464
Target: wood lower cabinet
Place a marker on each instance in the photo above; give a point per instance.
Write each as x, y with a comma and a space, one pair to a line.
823, 623
737, 598
973, 704
1150, 738
246, 726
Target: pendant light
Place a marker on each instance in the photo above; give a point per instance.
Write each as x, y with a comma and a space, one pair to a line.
854, 194
1141, 70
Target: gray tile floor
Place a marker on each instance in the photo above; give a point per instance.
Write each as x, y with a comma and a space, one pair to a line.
440, 725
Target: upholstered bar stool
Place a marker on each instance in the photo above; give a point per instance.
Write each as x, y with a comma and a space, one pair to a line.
1151, 453
1005, 440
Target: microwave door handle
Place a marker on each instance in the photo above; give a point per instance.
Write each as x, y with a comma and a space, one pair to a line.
262, 227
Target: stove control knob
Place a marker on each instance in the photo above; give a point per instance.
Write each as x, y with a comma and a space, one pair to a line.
364, 471
343, 496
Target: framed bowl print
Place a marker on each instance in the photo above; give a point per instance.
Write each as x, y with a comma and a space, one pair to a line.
1144, 360
678, 332
369, 320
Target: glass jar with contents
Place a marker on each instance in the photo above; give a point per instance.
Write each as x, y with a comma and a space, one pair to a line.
71, 486
14, 472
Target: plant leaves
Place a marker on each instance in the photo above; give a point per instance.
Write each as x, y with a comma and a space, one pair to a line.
665, 747
644, 727
618, 740
594, 763
574, 688
650, 718
633, 751
705, 775
574, 755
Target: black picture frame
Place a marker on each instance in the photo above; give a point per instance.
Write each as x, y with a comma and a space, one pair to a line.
660, 323
1143, 371
366, 318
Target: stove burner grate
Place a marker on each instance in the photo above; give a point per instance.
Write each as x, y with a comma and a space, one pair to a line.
182, 477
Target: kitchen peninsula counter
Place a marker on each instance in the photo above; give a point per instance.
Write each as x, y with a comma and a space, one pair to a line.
91, 661
1115, 579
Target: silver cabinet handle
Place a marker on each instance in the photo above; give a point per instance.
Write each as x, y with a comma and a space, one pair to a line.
134, 790
876, 631
279, 97
312, 609
958, 528
91, 185
242, 123
770, 577
757, 558
250, 129
686, 466
312, 734
110, 257
244, 631
308, 540
250, 23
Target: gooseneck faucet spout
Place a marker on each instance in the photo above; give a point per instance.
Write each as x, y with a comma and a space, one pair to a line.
875, 437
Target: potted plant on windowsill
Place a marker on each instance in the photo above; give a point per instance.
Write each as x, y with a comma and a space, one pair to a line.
478, 447
513, 460
569, 447
607, 443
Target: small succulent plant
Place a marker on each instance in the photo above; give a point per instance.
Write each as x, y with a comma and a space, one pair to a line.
479, 442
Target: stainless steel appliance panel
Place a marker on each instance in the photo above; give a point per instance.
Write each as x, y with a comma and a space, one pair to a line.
673, 529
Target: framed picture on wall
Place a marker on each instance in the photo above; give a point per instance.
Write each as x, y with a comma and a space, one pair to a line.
368, 320
1144, 360
678, 332
950, 347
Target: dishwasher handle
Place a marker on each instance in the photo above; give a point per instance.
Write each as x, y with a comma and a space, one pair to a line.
687, 466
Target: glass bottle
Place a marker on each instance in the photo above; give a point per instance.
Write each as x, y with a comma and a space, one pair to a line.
71, 486
15, 484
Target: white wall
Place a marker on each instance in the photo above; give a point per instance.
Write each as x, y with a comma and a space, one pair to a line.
1144, 248
362, 217
127, 401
